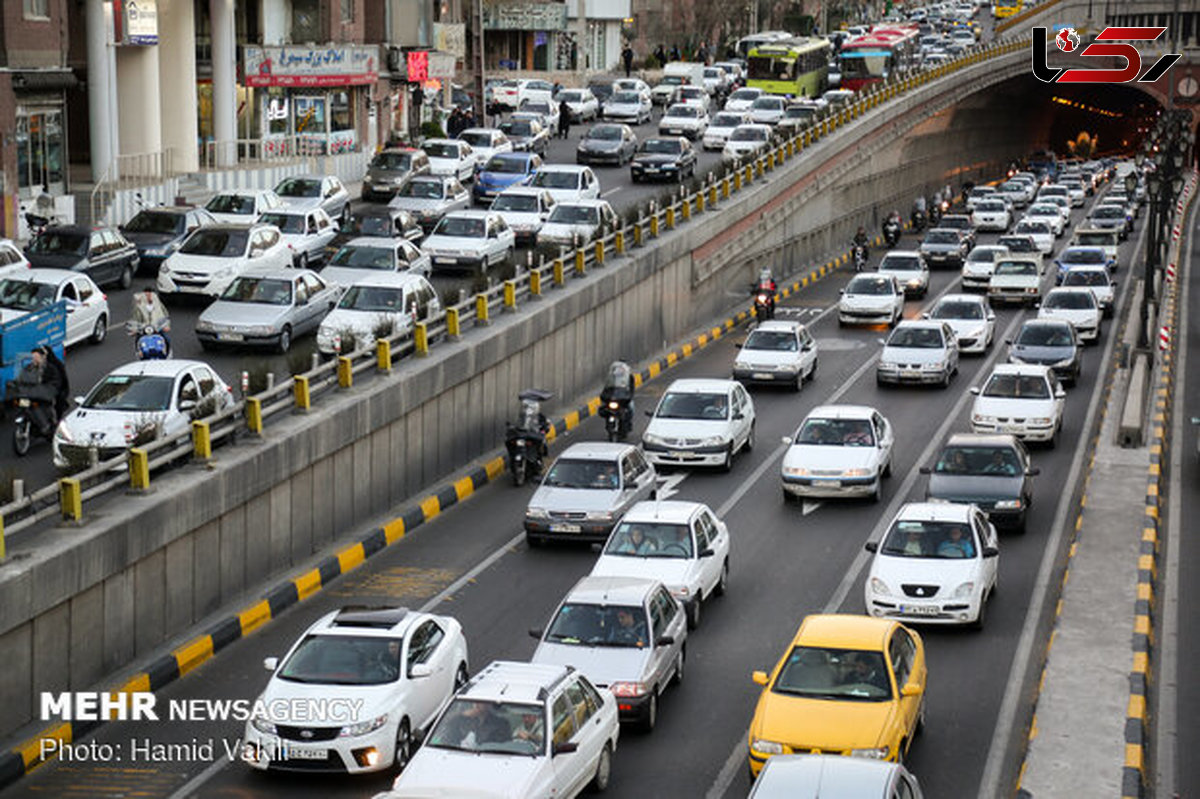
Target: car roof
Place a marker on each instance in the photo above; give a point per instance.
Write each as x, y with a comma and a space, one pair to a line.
1029, 369
841, 412
390, 243
169, 367
975, 298
562, 168
982, 440
534, 191
816, 776
363, 621
920, 324
843, 631
585, 202
490, 131
670, 510
43, 275
700, 385
596, 450
390, 279
509, 681
935, 511
281, 272
610, 590
784, 325
471, 214
243, 192
1044, 321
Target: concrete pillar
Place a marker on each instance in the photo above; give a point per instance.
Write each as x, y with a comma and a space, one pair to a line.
101, 88
224, 61
276, 20
177, 82
138, 110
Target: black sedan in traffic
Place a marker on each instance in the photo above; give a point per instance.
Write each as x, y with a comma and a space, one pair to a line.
669, 158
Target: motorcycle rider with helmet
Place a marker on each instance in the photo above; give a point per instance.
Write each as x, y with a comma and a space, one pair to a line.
764, 289
616, 400
859, 249
891, 228
148, 318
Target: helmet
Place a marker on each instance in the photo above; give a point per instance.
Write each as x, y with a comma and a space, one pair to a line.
764, 274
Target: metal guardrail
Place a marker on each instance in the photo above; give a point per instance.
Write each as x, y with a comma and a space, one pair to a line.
130, 171
281, 149
249, 415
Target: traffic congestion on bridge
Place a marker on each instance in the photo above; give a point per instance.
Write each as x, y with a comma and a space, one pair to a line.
799, 412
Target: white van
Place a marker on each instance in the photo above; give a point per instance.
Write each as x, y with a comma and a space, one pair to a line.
676, 74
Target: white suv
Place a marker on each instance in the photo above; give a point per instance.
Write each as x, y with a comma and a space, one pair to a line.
391, 669
517, 731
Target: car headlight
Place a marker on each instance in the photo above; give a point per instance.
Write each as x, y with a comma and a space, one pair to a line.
936, 366
712, 441
856, 473
766, 747
260, 330
1007, 504
878, 753
878, 586
914, 282
165, 268
787, 367
598, 516
205, 326
796, 471
965, 590
628, 688
63, 433
1065, 362
537, 513
1041, 420
363, 727
888, 366
979, 418
650, 438
263, 725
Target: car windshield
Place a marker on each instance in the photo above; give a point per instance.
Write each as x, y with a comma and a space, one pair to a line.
1043, 210
650, 540
838, 674
745, 94
772, 341
506, 166
575, 215
1085, 277
287, 223
583, 473
483, 726
1044, 335
216, 243
689, 111
441, 149
372, 226
552, 179
870, 285
625, 98
538, 108
958, 309
1015, 268
269, 291
1018, 243
571, 97
836, 432
910, 538
1071, 300
920, 338
131, 393
582, 624
392, 161
423, 189
461, 227
662, 146
1017, 386
521, 203
1097, 238
687, 405
900, 263
358, 257
1108, 212
477, 138
1054, 191
383, 299
343, 660
999, 461
800, 112
299, 187
517, 127
156, 222
231, 204
941, 237
25, 295
748, 134
605, 133
990, 206
1030, 226
987, 255
767, 104
57, 243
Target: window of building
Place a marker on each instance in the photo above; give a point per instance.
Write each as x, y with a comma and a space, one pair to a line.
36, 9
347, 10
306, 21
341, 113
39, 141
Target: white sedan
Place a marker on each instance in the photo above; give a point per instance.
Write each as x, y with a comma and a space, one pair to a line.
567, 182
628, 106
1025, 400
371, 255
138, 403
977, 269
838, 451
777, 351
1077, 306
700, 422
306, 233
683, 119
451, 158
695, 95
240, 206
970, 317
871, 299
29, 290
486, 142
572, 223
991, 215
767, 109
742, 99
950, 550
473, 240
377, 306
682, 545
721, 126
746, 141
1095, 278
919, 351
1049, 213
581, 104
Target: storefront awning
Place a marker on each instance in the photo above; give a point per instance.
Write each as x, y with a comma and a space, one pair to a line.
43, 80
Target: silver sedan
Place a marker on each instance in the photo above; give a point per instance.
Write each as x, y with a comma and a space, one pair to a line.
267, 307
431, 197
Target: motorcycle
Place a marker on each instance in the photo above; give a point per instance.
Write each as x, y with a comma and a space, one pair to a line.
764, 305
935, 214
618, 418
525, 441
891, 232
860, 257
152, 345
35, 416
918, 221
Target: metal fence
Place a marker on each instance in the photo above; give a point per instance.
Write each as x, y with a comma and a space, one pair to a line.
134, 469
130, 171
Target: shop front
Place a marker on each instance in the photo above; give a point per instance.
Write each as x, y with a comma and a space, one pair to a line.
40, 132
313, 99
528, 36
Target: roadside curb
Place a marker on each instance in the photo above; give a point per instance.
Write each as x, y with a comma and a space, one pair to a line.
27, 756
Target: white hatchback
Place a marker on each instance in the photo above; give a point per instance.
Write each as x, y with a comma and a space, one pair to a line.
240, 206
1097, 279
777, 351
871, 299
838, 451
472, 240
1077, 306
937, 564
27, 290
970, 317
450, 158
991, 215
683, 119
700, 422
721, 126
977, 269
1025, 400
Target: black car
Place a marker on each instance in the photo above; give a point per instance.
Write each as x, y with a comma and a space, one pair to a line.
993, 472
158, 232
1052, 342
384, 223
671, 158
101, 253
606, 144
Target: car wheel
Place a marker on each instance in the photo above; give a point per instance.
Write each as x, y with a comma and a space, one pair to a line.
982, 617
799, 380
887, 468
651, 718
404, 745
534, 541
946, 378
100, 330
877, 494
678, 677
1053, 442
285, 339
693, 613
749, 445
345, 218
727, 464
812, 373
723, 581
126, 276
603, 770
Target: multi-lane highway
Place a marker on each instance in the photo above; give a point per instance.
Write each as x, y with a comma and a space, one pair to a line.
87, 363
788, 560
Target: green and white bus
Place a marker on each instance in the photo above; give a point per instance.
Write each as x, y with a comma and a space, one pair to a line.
799, 67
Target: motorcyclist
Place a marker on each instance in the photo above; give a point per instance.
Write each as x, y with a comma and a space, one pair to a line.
861, 240
618, 388
148, 310
47, 373
765, 285
533, 423
891, 227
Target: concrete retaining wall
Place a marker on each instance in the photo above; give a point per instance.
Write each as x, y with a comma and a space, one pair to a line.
85, 602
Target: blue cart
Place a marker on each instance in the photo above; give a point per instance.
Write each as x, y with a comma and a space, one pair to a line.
19, 337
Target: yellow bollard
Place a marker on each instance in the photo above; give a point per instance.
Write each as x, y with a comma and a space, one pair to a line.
453, 328
619, 242
300, 392
580, 261
201, 441
420, 339
345, 371
254, 420
383, 355
758, 167
560, 277
510, 295
599, 252
481, 309
535, 283
637, 234
737, 180
670, 217
685, 208
712, 195
700, 201
749, 176
70, 499
139, 468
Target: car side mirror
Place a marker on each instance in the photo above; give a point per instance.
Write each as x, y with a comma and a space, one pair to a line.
925, 470
706, 553
1037, 305
925, 315
991, 552
1008, 341
1033, 471
911, 689
759, 677
807, 347
420, 670
737, 345
270, 664
664, 640
841, 291
79, 401
1060, 393
650, 414
787, 440
739, 415
882, 342
534, 632
871, 546
992, 318
564, 748
974, 390
187, 404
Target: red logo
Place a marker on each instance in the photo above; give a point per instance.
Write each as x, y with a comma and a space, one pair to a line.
1068, 41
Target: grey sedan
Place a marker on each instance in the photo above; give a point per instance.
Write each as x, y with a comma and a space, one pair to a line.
430, 197
993, 472
306, 192
267, 308
606, 144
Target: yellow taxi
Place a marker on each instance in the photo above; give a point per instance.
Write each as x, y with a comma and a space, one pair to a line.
849, 685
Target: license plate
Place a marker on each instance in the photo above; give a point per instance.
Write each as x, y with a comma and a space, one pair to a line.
564, 528
230, 337
1010, 428
761, 375
910, 374
651, 169
827, 483
678, 454
299, 753
920, 610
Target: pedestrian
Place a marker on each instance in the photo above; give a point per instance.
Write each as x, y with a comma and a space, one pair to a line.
660, 55
627, 57
675, 52
564, 119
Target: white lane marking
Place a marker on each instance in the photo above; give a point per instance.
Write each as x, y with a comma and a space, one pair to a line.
669, 485
989, 782
810, 506
613, 190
